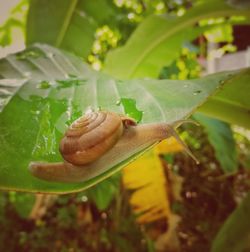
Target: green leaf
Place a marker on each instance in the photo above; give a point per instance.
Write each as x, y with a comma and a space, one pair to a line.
232, 103
221, 138
23, 203
234, 234
158, 39
104, 193
46, 89
70, 25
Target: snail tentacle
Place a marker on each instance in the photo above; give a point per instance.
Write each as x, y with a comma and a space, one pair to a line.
182, 143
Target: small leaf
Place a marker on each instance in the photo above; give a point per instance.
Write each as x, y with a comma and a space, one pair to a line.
221, 138
104, 193
23, 203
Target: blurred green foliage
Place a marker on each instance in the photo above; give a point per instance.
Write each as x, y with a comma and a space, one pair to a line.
185, 67
17, 19
73, 223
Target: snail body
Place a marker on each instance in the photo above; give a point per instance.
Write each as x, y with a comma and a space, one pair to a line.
98, 141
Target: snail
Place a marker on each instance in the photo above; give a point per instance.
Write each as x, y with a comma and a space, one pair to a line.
100, 140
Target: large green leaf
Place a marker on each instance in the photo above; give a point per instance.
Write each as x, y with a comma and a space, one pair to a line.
158, 39
45, 89
70, 25
234, 234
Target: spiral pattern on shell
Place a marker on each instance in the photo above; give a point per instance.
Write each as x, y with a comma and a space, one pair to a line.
90, 136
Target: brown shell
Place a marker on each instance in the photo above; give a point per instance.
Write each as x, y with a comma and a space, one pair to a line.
90, 136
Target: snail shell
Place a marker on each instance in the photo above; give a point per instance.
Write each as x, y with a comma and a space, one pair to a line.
90, 136
98, 141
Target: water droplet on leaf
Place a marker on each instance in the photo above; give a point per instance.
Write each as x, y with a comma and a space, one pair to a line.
27, 74
44, 85
30, 53
50, 55
196, 92
118, 103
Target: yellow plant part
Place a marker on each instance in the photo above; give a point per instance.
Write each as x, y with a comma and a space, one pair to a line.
147, 178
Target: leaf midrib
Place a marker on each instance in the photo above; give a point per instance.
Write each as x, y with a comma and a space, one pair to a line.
232, 103
66, 23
